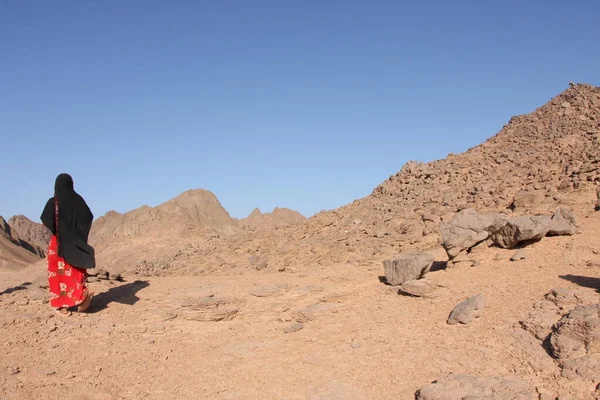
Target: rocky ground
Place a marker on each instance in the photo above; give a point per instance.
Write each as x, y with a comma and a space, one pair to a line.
334, 333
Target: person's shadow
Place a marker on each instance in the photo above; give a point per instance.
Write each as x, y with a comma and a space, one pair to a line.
124, 294
583, 281
22, 286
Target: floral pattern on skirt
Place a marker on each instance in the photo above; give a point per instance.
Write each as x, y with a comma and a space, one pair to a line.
66, 283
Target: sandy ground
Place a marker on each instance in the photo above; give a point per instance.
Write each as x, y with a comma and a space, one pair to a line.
156, 338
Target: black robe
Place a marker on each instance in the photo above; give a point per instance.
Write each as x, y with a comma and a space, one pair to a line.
74, 224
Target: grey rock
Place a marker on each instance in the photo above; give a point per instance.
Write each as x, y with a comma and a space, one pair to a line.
577, 334
535, 354
468, 387
258, 263
540, 322
269, 290
208, 309
419, 288
524, 199
467, 310
569, 298
469, 228
519, 255
313, 311
407, 267
522, 229
584, 368
294, 327
563, 223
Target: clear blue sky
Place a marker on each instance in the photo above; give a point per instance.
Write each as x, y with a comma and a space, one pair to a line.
307, 104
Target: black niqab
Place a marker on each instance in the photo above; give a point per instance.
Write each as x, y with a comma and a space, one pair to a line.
74, 223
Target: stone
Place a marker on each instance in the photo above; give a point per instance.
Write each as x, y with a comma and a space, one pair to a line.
584, 368
407, 267
525, 199
577, 333
540, 322
569, 298
92, 279
208, 309
469, 228
313, 311
258, 263
102, 274
519, 255
469, 387
419, 288
269, 290
535, 354
522, 229
294, 327
563, 223
461, 260
467, 310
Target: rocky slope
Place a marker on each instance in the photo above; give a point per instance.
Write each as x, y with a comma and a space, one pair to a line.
154, 232
547, 154
12, 252
34, 237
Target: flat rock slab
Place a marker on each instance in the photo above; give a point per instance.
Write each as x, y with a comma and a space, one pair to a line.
584, 368
463, 387
294, 327
269, 290
208, 309
407, 267
467, 311
419, 288
313, 311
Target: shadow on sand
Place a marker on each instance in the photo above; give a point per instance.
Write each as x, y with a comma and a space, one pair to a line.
22, 286
583, 281
124, 294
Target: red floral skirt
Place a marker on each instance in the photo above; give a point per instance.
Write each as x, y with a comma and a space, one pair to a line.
66, 283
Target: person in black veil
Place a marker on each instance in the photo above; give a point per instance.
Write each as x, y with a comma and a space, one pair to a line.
69, 219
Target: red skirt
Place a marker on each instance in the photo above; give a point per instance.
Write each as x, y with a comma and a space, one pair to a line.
66, 283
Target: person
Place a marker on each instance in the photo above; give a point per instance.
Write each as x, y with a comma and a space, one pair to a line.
69, 219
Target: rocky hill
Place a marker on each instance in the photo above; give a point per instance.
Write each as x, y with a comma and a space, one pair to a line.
551, 152
148, 233
34, 237
14, 252
279, 218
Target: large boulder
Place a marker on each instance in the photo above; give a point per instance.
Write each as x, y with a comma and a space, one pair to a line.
467, 310
407, 267
563, 223
522, 229
462, 387
469, 228
577, 334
